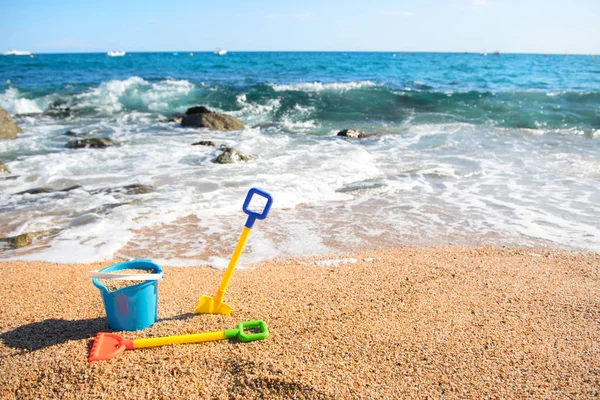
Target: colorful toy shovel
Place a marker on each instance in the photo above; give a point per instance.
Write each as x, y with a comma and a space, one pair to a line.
215, 305
109, 345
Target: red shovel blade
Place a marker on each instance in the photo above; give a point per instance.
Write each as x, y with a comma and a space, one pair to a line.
106, 346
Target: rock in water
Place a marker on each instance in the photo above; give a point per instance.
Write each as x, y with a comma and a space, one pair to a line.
352, 133
214, 121
135, 188
73, 133
204, 143
3, 168
231, 155
58, 112
8, 128
48, 190
197, 110
25, 239
96, 143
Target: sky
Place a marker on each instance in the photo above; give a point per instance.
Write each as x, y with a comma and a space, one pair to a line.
507, 26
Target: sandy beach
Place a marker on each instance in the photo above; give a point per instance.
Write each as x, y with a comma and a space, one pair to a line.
403, 323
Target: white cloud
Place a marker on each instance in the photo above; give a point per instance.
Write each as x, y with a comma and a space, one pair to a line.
399, 13
302, 15
479, 3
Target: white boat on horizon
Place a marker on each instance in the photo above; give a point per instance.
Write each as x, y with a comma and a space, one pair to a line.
16, 53
115, 53
220, 52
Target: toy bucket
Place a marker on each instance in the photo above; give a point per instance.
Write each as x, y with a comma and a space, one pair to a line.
133, 307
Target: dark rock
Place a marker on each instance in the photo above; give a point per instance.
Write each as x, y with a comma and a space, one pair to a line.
48, 190
36, 191
25, 239
58, 112
204, 143
8, 128
96, 143
3, 168
73, 133
352, 133
135, 188
214, 121
198, 110
231, 155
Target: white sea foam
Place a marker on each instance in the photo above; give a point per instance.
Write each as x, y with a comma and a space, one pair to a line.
12, 101
425, 184
318, 86
114, 96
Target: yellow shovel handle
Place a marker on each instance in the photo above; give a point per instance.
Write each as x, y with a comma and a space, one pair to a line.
180, 339
232, 263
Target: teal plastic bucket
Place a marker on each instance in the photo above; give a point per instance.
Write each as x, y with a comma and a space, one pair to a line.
132, 307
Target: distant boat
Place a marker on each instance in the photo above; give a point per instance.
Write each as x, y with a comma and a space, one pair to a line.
115, 53
16, 53
220, 52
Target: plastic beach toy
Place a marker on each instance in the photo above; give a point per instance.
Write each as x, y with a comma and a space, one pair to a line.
215, 305
132, 307
109, 345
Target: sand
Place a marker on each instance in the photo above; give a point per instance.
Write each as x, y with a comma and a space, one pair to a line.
404, 323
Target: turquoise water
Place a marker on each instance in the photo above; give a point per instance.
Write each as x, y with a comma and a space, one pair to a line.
465, 149
517, 91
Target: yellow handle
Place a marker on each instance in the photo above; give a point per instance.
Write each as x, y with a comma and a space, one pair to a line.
232, 263
193, 338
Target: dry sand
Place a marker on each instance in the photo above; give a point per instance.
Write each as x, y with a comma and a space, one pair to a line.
404, 323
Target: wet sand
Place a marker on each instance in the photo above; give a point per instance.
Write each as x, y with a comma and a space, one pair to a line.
403, 323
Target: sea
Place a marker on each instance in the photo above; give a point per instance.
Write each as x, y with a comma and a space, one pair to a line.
462, 149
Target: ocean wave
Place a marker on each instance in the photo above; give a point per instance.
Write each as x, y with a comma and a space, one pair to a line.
134, 93
13, 102
306, 107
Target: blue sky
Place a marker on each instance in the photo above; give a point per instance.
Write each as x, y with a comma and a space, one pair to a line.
523, 26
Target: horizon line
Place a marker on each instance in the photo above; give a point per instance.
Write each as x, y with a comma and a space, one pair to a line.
318, 51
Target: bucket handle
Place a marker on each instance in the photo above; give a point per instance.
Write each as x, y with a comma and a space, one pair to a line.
126, 277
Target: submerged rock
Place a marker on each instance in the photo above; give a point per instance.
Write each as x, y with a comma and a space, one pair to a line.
8, 128
25, 239
3, 168
214, 121
198, 110
231, 155
204, 143
95, 143
48, 190
73, 133
58, 112
135, 188
352, 133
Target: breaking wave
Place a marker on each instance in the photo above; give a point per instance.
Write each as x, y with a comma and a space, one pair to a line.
311, 106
